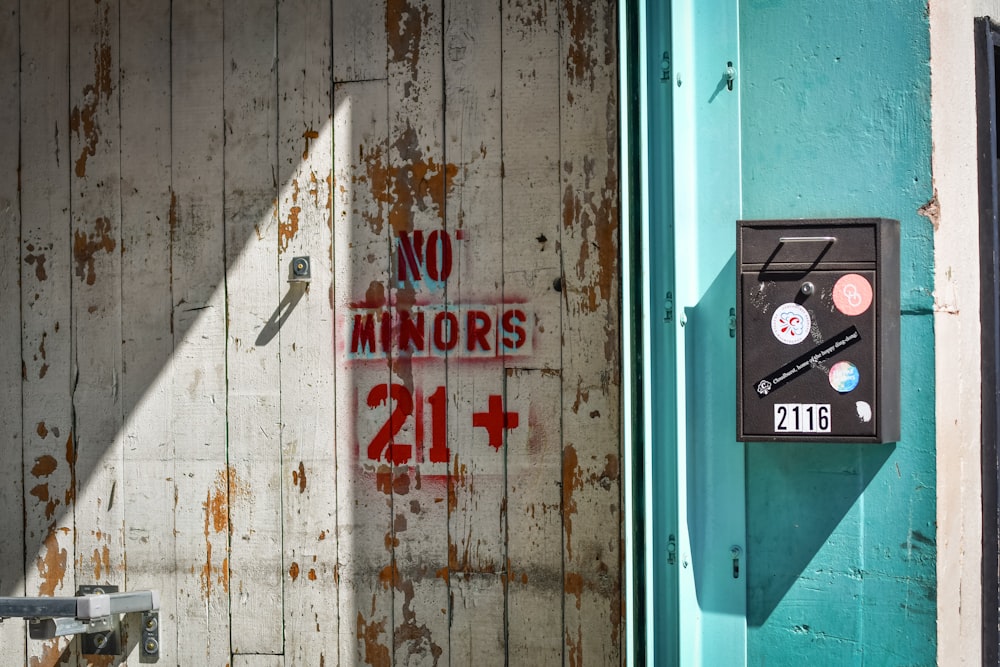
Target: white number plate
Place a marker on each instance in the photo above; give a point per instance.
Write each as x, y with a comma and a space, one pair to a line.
802, 418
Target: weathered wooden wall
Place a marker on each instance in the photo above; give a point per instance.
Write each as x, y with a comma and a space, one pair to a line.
413, 460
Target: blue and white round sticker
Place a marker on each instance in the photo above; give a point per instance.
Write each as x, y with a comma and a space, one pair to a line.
791, 323
844, 376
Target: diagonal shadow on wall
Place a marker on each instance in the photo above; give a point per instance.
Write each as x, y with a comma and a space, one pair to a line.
801, 498
798, 496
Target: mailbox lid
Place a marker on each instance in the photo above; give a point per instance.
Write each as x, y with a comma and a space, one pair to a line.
803, 244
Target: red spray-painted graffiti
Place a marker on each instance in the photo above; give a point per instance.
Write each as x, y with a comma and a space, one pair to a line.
383, 446
414, 258
407, 424
437, 331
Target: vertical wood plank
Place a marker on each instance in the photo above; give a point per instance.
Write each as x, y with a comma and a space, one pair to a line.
534, 522
589, 239
203, 484
531, 185
532, 268
364, 486
148, 466
95, 155
419, 184
359, 41
49, 458
477, 603
476, 503
252, 285
306, 337
12, 646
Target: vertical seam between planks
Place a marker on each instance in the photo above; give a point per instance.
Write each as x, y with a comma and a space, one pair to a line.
388, 355
330, 96
74, 369
333, 312
503, 292
278, 259
225, 312
121, 383
170, 250
564, 303
447, 375
20, 281
615, 29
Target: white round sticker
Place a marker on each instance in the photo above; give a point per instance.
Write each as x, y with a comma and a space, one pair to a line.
791, 323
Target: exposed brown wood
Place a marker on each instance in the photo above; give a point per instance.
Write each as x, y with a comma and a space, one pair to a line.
591, 487
96, 288
419, 188
364, 486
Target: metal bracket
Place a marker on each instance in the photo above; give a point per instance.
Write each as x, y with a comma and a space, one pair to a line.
47, 628
105, 640
665, 67
94, 614
150, 641
300, 270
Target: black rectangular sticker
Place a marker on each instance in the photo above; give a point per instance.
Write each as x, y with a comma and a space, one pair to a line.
799, 365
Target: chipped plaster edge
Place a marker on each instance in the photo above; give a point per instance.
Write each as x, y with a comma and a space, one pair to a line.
956, 326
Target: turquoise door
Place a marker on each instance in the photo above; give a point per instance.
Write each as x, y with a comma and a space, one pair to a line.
694, 559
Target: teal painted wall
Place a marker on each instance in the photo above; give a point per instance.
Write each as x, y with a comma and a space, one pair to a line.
841, 538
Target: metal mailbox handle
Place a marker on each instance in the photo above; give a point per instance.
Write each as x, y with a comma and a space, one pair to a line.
807, 239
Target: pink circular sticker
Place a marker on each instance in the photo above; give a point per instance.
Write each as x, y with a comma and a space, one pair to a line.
852, 295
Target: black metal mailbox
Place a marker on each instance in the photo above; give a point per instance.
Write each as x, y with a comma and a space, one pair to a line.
817, 342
